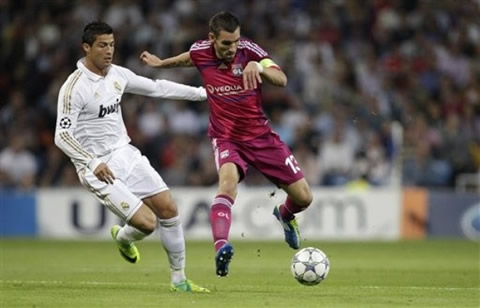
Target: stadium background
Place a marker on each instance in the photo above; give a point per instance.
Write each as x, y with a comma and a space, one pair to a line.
355, 68
382, 110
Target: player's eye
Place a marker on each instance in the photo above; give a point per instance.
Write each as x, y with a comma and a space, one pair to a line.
103, 45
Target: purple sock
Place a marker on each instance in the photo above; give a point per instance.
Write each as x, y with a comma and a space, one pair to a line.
221, 219
289, 209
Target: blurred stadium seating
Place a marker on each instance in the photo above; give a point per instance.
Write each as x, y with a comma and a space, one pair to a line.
356, 69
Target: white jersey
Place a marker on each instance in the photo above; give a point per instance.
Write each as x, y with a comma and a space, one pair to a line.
89, 116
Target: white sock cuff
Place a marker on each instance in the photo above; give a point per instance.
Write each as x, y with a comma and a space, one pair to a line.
128, 233
223, 201
170, 222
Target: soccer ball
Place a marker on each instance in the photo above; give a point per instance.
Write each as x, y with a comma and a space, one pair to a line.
310, 266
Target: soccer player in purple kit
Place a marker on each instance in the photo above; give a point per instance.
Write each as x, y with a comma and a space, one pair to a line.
233, 69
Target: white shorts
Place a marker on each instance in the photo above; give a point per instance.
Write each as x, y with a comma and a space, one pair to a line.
135, 179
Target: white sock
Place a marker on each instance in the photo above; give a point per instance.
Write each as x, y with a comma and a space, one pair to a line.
177, 276
128, 234
171, 234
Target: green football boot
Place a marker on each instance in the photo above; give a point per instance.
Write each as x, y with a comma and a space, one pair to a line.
128, 251
188, 286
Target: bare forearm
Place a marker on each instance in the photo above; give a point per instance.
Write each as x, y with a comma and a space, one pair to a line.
274, 76
152, 60
182, 60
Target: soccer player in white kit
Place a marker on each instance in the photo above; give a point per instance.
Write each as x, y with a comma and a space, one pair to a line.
91, 131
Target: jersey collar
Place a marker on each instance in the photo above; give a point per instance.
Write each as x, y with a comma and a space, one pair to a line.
91, 75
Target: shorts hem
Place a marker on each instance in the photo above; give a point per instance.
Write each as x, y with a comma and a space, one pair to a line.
135, 210
153, 193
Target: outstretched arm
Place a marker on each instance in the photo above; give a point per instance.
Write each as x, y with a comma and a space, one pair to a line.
182, 60
137, 84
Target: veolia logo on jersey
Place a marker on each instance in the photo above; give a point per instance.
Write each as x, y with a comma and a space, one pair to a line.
108, 109
225, 89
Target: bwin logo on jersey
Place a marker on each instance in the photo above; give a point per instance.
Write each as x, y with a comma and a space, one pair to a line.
108, 109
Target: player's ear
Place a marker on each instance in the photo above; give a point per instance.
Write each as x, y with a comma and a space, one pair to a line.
211, 36
86, 47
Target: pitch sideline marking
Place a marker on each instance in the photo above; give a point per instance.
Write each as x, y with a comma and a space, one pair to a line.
107, 283
418, 288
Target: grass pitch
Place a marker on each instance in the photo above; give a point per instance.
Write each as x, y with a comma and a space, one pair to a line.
35, 273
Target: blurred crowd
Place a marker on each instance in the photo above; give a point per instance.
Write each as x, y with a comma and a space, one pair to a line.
377, 90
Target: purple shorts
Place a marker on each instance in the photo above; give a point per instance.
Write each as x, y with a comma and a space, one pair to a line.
267, 153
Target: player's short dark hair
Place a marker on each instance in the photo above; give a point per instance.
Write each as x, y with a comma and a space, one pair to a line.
223, 21
93, 29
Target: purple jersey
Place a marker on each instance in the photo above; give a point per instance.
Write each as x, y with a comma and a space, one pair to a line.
235, 114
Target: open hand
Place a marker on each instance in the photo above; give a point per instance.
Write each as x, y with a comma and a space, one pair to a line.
104, 174
251, 76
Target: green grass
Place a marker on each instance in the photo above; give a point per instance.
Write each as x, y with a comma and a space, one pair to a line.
36, 273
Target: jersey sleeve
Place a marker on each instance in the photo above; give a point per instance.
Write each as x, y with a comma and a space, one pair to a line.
161, 88
258, 54
195, 49
69, 105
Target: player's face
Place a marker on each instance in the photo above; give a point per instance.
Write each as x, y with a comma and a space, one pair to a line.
226, 44
100, 54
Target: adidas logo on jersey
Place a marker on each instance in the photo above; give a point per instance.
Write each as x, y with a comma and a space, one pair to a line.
108, 109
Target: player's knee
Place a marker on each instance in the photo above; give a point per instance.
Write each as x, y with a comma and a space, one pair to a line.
163, 205
168, 211
164, 208
305, 198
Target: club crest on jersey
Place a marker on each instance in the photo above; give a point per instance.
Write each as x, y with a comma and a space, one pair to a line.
125, 206
117, 86
237, 69
224, 154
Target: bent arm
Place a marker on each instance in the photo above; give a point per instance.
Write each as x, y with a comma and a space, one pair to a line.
68, 109
273, 73
266, 68
275, 76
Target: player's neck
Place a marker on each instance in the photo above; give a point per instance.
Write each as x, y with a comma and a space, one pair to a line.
95, 69
220, 58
